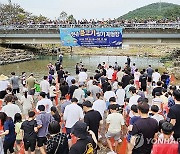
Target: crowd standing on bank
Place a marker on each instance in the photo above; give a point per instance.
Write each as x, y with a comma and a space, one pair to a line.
72, 114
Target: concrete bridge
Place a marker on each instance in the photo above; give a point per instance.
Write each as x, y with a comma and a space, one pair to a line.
132, 33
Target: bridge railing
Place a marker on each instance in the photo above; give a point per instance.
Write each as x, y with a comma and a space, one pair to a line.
124, 26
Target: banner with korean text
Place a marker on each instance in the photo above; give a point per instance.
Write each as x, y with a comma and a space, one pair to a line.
91, 37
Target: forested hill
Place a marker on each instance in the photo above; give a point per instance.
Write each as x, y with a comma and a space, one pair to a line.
154, 11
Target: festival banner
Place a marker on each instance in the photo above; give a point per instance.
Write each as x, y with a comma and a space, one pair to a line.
91, 37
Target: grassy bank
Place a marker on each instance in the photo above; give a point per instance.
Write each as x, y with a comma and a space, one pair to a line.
135, 50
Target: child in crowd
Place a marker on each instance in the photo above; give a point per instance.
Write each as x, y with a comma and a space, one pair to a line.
165, 144
29, 128
18, 130
155, 113
114, 122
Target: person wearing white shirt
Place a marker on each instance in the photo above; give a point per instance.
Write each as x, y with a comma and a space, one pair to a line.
108, 94
90, 83
99, 105
82, 76
79, 94
10, 109
156, 76
72, 114
120, 94
69, 78
44, 101
137, 74
109, 73
134, 98
44, 85
27, 102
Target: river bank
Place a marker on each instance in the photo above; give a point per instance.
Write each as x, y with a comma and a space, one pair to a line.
133, 50
9, 56
126, 50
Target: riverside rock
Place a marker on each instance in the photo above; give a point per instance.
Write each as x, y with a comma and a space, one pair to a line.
9, 56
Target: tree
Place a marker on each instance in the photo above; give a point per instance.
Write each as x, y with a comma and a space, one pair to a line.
71, 19
63, 16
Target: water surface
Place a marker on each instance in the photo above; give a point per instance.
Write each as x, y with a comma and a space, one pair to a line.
39, 66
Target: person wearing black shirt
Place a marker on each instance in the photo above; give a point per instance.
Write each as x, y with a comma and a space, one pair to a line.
77, 68
125, 79
159, 88
86, 141
64, 88
164, 76
55, 114
143, 132
128, 60
103, 71
174, 115
105, 84
30, 132
97, 75
143, 81
60, 74
92, 118
72, 88
57, 65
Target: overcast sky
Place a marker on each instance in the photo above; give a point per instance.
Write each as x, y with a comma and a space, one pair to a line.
84, 8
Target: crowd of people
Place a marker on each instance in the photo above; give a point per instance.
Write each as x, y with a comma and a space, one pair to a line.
68, 113
92, 22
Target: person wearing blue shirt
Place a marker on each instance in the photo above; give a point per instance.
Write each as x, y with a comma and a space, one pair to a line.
9, 132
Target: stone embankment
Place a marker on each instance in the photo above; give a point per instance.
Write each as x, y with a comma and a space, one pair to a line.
8, 56
176, 64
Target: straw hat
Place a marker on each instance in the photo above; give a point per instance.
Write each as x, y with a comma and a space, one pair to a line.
3, 77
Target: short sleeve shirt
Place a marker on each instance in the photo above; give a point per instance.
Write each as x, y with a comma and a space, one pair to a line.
9, 125
83, 146
28, 128
44, 119
11, 110
174, 113
92, 119
145, 128
115, 121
